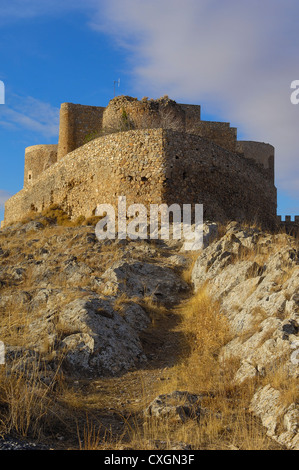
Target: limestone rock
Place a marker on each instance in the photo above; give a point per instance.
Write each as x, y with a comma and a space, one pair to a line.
256, 293
255, 277
137, 279
98, 339
176, 406
281, 421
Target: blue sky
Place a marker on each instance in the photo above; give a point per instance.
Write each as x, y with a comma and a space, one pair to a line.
234, 57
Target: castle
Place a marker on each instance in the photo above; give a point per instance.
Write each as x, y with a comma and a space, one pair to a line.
151, 151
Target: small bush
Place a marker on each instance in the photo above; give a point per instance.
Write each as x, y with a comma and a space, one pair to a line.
92, 220
31, 215
57, 214
91, 136
79, 221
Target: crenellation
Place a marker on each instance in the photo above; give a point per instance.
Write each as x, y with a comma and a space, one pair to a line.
288, 219
289, 225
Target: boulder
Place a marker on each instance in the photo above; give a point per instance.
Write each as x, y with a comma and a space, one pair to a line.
137, 279
176, 406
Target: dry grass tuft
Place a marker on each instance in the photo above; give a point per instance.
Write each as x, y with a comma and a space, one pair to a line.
187, 273
205, 331
280, 380
28, 405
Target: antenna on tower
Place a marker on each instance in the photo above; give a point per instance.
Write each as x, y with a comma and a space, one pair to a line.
116, 82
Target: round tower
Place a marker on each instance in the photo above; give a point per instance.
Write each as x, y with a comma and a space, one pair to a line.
37, 159
261, 152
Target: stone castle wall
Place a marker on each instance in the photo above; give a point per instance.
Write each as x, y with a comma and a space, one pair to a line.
151, 151
79, 123
230, 186
192, 116
97, 172
289, 225
288, 219
219, 132
152, 166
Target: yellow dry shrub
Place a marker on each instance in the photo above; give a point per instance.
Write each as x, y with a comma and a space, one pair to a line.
205, 332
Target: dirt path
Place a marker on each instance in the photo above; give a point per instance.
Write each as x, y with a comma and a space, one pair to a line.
117, 401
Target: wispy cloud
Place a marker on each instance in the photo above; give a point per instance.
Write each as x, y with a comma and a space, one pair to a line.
30, 114
15, 10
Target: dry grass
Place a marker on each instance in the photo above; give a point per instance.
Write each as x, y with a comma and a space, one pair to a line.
156, 310
206, 331
200, 371
187, 273
28, 405
31, 408
15, 321
54, 214
228, 424
91, 436
280, 380
257, 254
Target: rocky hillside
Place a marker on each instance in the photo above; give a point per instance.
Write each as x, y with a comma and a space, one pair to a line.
255, 277
67, 294
130, 333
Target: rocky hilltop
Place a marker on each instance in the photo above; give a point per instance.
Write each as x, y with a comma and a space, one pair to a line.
121, 335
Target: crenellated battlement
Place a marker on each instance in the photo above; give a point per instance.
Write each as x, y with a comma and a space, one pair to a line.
288, 219
290, 224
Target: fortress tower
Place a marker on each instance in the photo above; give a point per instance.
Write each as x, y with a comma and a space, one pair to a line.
151, 151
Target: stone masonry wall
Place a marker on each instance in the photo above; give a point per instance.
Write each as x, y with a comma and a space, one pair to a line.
230, 186
128, 163
192, 116
151, 166
77, 122
219, 132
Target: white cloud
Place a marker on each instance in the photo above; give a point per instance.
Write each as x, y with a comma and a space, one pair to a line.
236, 58
30, 114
